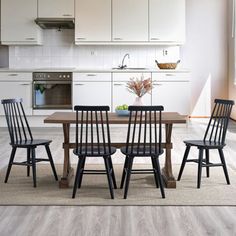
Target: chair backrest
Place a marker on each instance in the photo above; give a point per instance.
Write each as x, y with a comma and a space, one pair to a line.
144, 130
17, 123
93, 135
218, 123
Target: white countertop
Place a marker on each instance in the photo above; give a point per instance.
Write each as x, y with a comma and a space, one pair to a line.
92, 70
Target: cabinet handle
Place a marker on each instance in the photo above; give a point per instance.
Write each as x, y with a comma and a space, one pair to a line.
118, 39
81, 38
79, 84
157, 84
25, 84
170, 74
67, 15
12, 74
155, 39
116, 84
91, 75
29, 38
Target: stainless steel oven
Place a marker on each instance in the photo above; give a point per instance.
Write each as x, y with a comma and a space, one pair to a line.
52, 90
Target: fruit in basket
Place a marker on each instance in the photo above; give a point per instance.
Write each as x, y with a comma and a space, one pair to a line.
122, 107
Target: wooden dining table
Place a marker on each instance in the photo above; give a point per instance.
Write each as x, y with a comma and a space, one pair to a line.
68, 118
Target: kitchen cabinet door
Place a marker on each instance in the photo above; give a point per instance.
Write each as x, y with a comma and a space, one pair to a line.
174, 96
167, 21
92, 21
17, 23
130, 20
92, 93
17, 90
56, 8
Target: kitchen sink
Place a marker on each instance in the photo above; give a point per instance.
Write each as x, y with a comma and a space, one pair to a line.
129, 68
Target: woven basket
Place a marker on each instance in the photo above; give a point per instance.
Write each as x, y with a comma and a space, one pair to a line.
167, 65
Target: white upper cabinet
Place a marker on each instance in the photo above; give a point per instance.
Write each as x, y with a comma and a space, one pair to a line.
167, 21
92, 21
130, 20
56, 8
17, 22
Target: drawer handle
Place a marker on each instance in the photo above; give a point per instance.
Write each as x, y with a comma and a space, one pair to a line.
24, 84
170, 75
116, 84
67, 15
30, 38
118, 39
91, 75
157, 84
81, 38
12, 74
155, 39
79, 84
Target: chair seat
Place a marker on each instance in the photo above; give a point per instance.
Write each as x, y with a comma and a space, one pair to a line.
31, 143
205, 144
139, 151
95, 152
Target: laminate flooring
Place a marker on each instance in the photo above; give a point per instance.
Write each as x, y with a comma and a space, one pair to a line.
119, 220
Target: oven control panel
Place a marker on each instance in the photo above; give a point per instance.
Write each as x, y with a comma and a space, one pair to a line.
52, 75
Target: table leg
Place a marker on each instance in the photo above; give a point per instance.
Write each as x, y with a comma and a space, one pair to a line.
68, 171
167, 174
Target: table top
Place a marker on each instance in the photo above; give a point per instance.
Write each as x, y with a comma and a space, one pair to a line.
70, 118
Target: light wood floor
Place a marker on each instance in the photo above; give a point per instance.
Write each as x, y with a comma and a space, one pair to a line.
107, 220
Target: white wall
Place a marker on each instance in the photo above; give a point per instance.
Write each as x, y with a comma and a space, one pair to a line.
58, 50
232, 81
205, 52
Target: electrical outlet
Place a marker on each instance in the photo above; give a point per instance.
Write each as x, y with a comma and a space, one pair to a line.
165, 52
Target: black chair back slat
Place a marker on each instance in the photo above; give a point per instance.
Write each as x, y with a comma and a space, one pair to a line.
17, 123
103, 133
97, 129
218, 123
108, 133
95, 138
144, 118
140, 130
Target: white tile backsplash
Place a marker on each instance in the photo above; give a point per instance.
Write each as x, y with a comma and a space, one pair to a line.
58, 50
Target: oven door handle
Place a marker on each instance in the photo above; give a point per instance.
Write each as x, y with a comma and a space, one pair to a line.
52, 82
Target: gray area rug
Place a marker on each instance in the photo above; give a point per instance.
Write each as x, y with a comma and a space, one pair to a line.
142, 191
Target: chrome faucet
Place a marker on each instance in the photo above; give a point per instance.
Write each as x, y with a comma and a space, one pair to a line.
122, 66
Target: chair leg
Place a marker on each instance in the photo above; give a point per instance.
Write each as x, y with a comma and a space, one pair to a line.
184, 161
109, 177
155, 172
207, 162
160, 180
77, 176
124, 172
51, 161
81, 173
13, 152
199, 175
128, 174
224, 165
28, 162
112, 173
33, 166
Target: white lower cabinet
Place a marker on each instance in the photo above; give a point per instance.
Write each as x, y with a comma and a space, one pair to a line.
120, 93
174, 96
92, 89
17, 89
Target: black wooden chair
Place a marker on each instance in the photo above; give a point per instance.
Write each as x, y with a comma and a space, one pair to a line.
21, 137
214, 138
143, 140
93, 140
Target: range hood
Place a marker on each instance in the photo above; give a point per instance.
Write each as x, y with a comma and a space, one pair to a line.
56, 23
